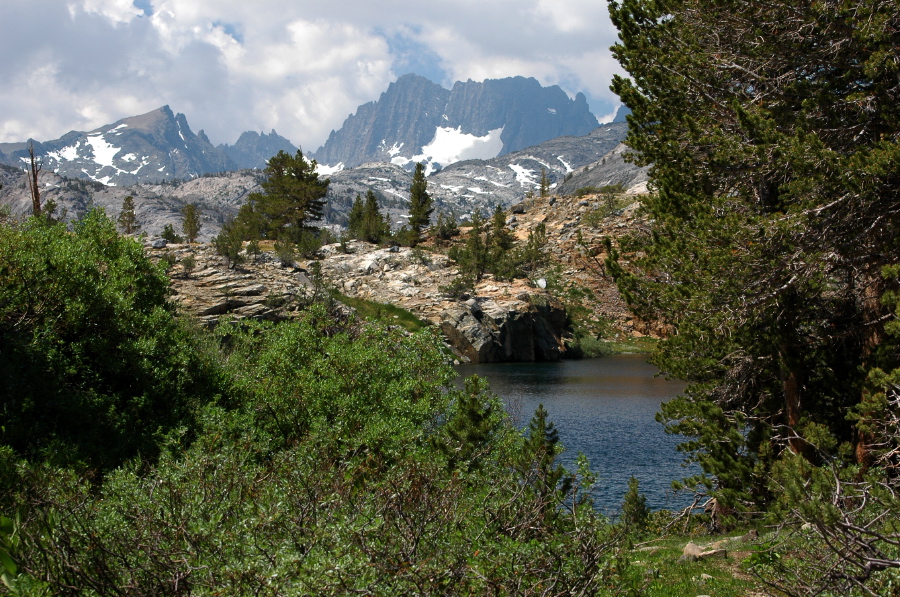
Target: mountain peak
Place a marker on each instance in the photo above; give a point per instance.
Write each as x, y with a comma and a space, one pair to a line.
158, 145
418, 120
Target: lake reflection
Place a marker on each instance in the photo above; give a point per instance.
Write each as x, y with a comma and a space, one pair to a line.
604, 408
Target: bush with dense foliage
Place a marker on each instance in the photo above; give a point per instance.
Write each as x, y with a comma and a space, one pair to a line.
94, 368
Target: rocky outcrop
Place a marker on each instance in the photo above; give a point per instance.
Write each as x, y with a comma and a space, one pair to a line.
485, 331
262, 289
499, 322
576, 228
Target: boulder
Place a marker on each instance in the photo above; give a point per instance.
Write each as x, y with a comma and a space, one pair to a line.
487, 331
693, 552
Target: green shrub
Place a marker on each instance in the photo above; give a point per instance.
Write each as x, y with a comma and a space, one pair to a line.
460, 287
94, 366
168, 234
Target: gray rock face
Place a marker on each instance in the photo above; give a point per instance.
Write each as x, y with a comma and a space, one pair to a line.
528, 113
611, 169
253, 150
404, 117
408, 116
485, 331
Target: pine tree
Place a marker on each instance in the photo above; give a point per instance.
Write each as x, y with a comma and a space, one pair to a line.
547, 481
293, 196
502, 262
376, 226
474, 256
470, 429
446, 227
366, 222
420, 203
228, 243
190, 223
356, 218
545, 183
168, 233
127, 220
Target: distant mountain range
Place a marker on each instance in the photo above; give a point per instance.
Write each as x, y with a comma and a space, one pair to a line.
485, 144
152, 147
414, 120
570, 163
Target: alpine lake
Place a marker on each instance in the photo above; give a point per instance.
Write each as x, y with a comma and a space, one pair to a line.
604, 408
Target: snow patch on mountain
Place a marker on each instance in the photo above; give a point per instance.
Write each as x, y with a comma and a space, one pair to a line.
563, 162
103, 151
524, 176
394, 149
326, 170
451, 145
66, 153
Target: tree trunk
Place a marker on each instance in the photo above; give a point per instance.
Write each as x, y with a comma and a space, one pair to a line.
33, 183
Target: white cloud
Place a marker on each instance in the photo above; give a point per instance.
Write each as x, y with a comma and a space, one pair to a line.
300, 68
117, 11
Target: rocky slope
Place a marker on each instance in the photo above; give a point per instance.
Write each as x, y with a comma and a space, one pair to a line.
611, 169
523, 320
156, 205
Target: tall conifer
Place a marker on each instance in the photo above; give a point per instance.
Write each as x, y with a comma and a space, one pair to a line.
420, 203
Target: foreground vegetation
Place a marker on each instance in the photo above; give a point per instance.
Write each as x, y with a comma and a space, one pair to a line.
143, 456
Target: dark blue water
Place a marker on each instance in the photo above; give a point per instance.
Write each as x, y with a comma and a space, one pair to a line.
604, 408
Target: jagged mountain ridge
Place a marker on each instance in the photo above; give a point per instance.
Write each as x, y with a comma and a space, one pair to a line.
417, 120
155, 146
570, 163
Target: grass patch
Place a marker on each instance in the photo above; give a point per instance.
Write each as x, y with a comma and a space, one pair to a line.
655, 569
383, 313
642, 345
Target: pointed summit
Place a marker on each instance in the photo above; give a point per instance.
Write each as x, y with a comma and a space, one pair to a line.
158, 145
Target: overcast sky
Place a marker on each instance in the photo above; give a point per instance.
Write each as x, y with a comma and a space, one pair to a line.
297, 66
